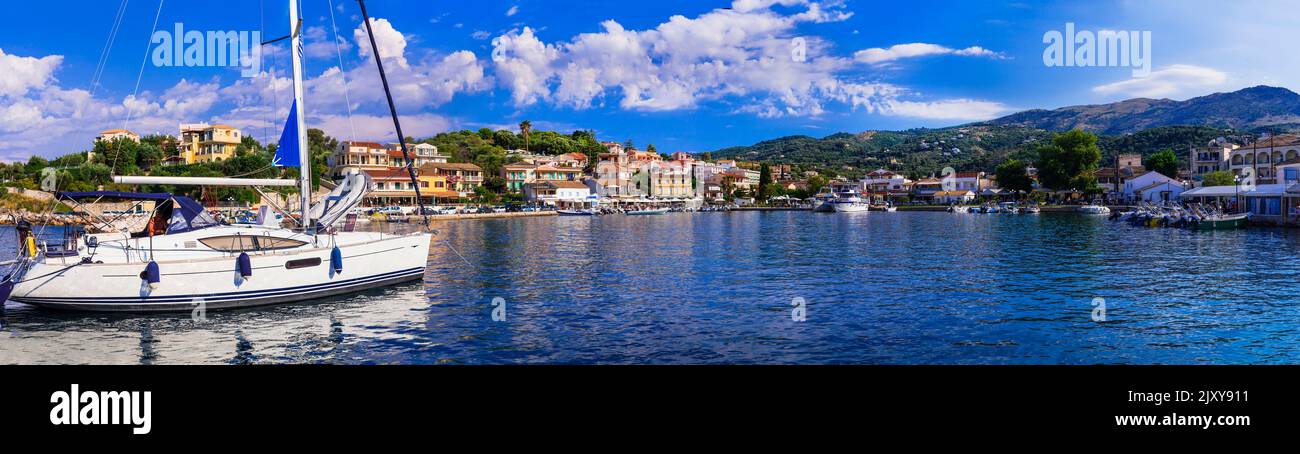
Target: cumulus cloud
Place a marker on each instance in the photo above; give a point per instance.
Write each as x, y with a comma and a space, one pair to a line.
1170, 81
391, 43
878, 55
37, 116
319, 44
744, 55
512, 11
21, 74
742, 51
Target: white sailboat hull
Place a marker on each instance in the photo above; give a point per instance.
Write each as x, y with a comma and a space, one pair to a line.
215, 283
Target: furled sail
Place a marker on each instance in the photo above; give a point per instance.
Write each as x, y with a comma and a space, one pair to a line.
346, 196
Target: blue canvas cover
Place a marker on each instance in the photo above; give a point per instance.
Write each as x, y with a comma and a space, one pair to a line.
187, 215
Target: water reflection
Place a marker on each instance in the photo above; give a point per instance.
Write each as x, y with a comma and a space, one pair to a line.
910, 288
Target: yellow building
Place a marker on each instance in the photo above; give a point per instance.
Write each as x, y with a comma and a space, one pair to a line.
201, 142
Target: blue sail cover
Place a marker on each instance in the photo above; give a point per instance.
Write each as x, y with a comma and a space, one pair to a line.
187, 215
286, 152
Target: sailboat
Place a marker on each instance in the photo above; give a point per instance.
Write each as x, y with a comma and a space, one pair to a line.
184, 260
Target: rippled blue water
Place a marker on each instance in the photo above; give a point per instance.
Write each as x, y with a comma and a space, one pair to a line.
909, 288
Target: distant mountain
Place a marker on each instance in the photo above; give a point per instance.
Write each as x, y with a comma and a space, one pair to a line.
1249, 108
1142, 126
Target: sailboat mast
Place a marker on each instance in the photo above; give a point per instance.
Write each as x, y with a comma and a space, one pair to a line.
304, 154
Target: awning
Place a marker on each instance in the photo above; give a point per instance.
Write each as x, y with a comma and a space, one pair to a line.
187, 214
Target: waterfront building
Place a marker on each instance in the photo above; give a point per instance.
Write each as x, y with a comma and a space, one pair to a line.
744, 178
951, 197
461, 177
1151, 187
1257, 161
965, 181
1213, 157
353, 156
884, 183
392, 187
925, 188
113, 134
559, 193
706, 174
421, 153
667, 179
613, 173
202, 142
520, 174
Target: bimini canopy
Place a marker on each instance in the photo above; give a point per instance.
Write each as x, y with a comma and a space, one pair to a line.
186, 214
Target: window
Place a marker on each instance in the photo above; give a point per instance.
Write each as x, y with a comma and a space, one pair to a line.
243, 243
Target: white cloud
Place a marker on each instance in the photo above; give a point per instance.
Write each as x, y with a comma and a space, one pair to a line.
380, 127
39, 117
480, 34
950, 109
512, 11
391, 43
319, 45
741, 51
877, 55
1171, 81
20, 74
741, 55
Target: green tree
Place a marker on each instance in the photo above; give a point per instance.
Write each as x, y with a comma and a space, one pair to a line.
526, 129
1165, 162
816, 183
1013, 176
764, 181
1069, 162
1218, 178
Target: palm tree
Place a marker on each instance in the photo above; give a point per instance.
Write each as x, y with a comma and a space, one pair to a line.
525, 127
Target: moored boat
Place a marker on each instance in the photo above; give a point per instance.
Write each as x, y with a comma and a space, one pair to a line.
182, 259
647, 212
1222, 222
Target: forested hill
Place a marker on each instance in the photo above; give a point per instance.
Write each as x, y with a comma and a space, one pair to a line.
921, 152
1249, 108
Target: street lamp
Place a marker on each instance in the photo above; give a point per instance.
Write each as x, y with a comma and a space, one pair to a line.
1236, 189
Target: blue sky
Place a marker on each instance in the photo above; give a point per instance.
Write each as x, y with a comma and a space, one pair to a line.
683, 75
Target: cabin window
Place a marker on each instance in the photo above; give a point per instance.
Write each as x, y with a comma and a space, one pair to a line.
302, 263
247, 243
271, 243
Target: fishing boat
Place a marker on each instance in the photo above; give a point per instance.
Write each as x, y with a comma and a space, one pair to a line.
1222, 222
183, 259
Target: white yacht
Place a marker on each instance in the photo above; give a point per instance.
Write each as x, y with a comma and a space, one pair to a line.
822, 202
848, 202
183, 259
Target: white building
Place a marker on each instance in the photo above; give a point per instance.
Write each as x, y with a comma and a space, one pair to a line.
557, 192
966, 181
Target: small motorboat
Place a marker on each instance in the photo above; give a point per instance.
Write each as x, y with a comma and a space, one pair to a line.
1094, 209
647, 212
575, 212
